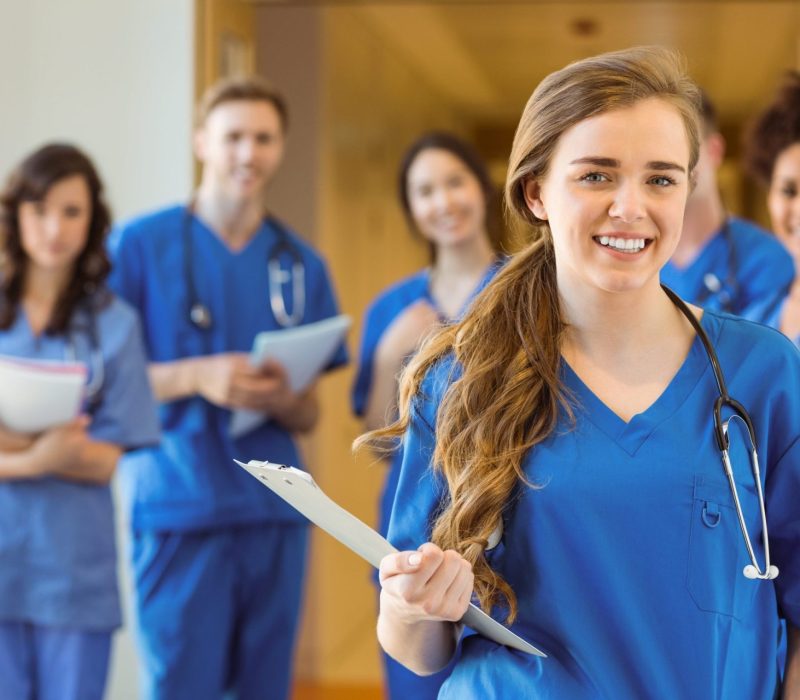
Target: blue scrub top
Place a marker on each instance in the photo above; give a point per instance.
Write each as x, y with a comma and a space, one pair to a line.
377, 319
57, 551
627, 559
753, 269
190, 481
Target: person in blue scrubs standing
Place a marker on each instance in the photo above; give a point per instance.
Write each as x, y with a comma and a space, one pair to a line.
723, 262
560, 459
773, 159
218, 560
446, 193
58, 588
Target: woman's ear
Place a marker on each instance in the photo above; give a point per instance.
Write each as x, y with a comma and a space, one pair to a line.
533, 198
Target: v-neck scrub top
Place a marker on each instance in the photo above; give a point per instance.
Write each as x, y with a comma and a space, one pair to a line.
190, 482
57, 553
627, 557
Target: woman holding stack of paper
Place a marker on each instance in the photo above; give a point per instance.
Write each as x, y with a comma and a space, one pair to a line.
445, 192
58, 591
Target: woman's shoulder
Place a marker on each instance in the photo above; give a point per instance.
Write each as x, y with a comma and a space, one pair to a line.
742, 342
396, 297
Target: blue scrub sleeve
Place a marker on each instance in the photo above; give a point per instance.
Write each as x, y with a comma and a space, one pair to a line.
362, 385
783, 485
127, 415
322, 304
126, 274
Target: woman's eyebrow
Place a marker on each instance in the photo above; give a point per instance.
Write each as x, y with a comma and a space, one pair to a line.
614, 163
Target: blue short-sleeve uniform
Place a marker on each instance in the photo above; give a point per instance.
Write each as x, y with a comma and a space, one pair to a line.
380, 315
57, 550
627, 559
742, 269
218, 560
190, 481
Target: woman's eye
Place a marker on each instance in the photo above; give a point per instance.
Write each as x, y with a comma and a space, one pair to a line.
662, 181
594, 177
789, 192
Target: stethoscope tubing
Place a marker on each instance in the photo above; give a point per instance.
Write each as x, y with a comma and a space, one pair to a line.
200, 314
753, 570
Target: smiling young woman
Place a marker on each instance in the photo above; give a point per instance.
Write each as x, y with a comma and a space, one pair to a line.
559, 450
445, 192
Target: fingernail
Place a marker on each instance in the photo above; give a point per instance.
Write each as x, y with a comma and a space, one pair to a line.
414, 559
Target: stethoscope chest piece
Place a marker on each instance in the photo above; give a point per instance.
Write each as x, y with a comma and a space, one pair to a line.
200, 316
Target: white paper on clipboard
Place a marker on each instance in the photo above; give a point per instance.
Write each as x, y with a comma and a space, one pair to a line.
300, 491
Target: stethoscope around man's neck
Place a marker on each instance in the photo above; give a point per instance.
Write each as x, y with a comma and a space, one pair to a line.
725, 290
200, 313
752, 570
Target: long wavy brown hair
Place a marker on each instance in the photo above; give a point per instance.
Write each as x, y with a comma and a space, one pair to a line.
30, 182
509, 396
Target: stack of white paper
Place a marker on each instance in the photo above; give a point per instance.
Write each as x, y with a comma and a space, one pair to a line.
303, 351
37, 394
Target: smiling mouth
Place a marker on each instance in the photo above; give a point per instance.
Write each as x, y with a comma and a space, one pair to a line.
630, 246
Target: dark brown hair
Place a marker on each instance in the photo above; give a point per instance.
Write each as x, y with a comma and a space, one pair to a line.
774, 130
466, 153
30, 182
248, 89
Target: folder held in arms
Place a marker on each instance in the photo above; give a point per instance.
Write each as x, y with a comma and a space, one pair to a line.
300, 491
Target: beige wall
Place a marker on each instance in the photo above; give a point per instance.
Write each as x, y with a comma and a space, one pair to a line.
355, 105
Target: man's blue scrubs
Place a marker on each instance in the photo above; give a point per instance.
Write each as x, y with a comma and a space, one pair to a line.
59, 602
401, 682
742, 270
218, 561
627, 557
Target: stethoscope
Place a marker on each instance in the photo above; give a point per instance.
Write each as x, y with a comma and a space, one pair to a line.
93, 392
713, 286
752, 570
200, 314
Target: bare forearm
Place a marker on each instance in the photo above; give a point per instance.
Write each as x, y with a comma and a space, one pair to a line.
96, 465
791, 679
18, 465
175, 380
382, 400
300, 415
425, 647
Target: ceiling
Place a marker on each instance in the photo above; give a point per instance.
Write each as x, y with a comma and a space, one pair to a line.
488, 56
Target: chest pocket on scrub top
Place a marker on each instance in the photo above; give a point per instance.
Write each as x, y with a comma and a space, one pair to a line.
717, 553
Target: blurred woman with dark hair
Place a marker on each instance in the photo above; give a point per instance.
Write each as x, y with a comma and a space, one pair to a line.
58, 590
446, 194
773, 158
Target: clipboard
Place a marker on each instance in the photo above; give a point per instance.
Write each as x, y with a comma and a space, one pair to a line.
300, 491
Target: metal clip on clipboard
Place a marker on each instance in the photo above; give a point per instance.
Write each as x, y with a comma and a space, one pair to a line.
300, 491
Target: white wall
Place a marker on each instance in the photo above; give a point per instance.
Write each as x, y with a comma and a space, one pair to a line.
113, 76
116, 78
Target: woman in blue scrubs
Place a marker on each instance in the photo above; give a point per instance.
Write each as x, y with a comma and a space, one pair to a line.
446, 193
560, 457
773, 157
58, 590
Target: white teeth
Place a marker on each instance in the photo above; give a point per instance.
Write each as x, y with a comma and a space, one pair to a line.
624, 245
